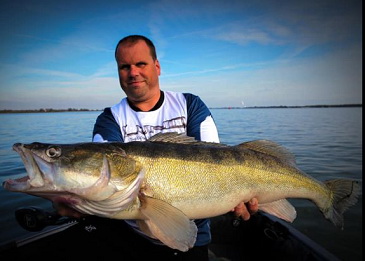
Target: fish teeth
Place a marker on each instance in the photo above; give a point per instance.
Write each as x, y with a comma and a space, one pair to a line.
37, 181
35, 177
20, 184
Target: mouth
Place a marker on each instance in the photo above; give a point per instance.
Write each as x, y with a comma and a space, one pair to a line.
54, 180
20, 184
45, 179
35, 179
135, 82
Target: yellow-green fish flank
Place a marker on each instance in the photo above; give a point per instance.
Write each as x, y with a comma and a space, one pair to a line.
171, 179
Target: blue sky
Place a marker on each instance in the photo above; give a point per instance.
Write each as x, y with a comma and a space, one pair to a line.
60, 54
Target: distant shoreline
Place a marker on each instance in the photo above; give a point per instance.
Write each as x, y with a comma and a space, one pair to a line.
46, 110
289, 107
228, 107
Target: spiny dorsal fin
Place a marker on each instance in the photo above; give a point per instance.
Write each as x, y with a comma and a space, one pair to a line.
182, 138
270, 148
172, 137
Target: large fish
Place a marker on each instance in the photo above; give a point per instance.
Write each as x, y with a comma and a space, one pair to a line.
171, 179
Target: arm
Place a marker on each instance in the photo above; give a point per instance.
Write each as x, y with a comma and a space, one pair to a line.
200, 123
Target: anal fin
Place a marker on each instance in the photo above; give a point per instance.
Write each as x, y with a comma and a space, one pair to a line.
281, 209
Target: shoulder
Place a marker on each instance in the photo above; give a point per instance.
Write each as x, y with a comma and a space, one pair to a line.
187, 97
191, 98
107, 127
195, 105
105, 115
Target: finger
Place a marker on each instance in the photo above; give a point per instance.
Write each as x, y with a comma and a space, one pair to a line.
241, 210
238, 208
254, 201
253, 205
245, 215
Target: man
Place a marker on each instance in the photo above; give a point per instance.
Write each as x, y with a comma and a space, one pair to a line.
147, 111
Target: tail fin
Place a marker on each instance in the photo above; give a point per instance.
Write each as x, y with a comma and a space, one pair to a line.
345, 192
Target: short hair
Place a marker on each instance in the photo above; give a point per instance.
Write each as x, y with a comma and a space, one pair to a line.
132, 39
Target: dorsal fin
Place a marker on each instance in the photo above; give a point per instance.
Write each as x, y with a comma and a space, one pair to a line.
182, 138
172, 137
270, 148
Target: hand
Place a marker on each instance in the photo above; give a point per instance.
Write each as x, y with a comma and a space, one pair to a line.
245, 210
64, 210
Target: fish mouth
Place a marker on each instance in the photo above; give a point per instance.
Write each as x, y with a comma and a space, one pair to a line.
36, 180
45, 180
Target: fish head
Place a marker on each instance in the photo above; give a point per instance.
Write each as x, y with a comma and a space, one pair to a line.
71, 172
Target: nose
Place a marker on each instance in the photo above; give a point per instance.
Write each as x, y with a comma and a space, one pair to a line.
133, 71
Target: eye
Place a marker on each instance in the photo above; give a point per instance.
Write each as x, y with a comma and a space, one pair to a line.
141, 64
53, 152
124, 67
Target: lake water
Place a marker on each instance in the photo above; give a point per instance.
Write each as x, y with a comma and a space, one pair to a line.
327, 143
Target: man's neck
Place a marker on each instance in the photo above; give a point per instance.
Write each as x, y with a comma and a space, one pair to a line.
147, 105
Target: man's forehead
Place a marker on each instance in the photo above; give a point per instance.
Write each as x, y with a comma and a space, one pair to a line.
138, 50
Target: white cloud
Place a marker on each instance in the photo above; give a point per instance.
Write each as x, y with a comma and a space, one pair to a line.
332, 79
32, 88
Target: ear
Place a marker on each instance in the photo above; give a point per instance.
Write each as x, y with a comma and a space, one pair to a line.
158, 67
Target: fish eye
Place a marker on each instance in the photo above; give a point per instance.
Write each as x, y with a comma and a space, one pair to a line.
53, 152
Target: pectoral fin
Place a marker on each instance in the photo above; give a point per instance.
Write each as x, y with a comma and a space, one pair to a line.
168, 224
281, 209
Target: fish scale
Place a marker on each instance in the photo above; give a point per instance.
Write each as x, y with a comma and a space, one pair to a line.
169, 180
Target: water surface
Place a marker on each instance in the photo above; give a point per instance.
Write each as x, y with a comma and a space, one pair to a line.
327, 143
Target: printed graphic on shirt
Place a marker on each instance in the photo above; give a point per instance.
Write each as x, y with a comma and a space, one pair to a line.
140, 126
142, 133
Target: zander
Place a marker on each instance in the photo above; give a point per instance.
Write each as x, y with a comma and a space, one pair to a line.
171, 179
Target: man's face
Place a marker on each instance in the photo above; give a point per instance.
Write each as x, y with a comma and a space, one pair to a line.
138, 72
